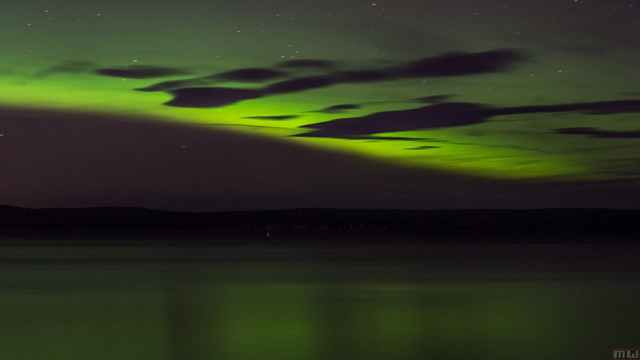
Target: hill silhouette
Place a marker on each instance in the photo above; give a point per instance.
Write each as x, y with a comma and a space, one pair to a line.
323, 219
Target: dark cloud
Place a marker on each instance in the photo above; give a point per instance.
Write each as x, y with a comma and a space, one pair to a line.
605, 134
402, 138
458, 114
455, 64
446, 65
277, 117
458, 64
399, 138
299, 84
434, 116
140, 72
613, 107
338, 108
210, 96
172, 85
250, 75
592, 108
423, 147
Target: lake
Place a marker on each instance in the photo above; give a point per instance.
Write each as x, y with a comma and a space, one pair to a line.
315, 299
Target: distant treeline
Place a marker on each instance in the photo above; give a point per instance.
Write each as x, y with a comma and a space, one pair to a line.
322, 219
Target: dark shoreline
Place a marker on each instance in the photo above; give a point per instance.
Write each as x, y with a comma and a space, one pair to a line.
112, 223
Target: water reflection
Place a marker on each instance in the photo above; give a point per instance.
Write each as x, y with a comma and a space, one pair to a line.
228, 303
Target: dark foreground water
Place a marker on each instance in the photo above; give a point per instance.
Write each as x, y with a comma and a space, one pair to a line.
315, 300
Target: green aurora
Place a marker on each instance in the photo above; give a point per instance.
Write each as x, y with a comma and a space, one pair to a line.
95, 59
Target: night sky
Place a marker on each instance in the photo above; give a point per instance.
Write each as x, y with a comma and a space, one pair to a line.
247, 104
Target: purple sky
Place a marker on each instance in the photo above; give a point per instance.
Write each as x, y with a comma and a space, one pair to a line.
71, 160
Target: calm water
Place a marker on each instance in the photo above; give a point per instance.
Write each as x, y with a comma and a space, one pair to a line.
313, 300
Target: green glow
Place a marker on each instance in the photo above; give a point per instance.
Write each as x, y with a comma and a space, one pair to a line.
204, 42
511, 147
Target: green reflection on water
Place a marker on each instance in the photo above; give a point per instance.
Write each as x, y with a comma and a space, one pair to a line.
81, 325
480, 320
318, 301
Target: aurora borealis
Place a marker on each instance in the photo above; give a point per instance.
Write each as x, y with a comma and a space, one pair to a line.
321, 109
251, 105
